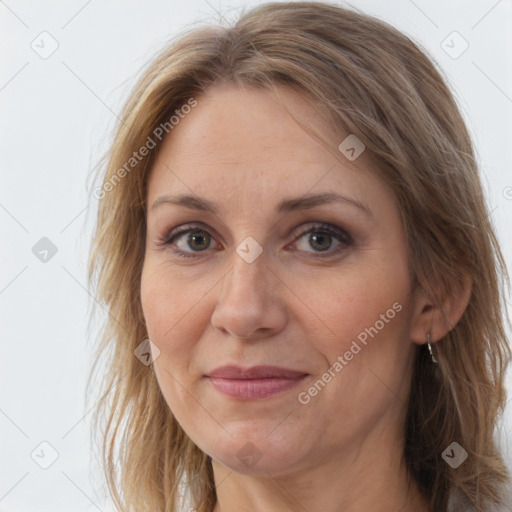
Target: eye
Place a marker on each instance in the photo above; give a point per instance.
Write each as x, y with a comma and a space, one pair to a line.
188, 240
197, 240
323, 238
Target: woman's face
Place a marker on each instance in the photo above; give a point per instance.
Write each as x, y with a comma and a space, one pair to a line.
270, 256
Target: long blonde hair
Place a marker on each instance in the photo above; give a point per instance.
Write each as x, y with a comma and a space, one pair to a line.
377, 84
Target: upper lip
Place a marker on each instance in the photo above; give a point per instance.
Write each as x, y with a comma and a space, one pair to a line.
255, 372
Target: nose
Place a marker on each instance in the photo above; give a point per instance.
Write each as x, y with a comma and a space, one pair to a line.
248, 305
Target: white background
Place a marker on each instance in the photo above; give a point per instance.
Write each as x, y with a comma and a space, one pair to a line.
56, 118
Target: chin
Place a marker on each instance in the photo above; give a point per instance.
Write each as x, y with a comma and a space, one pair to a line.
256, 455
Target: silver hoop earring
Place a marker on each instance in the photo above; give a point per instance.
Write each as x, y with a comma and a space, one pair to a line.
429, 345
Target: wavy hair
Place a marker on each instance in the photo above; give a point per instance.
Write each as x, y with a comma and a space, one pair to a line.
370, 80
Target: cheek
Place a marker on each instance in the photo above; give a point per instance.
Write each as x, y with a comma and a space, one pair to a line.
174, 311
369, 353
365, 303
366, 360
175, 315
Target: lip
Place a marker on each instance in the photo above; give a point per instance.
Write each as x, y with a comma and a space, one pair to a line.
254, 382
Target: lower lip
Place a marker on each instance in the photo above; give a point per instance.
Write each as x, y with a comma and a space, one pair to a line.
249, 389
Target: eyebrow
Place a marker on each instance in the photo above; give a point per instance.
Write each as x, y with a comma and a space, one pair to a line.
287, 205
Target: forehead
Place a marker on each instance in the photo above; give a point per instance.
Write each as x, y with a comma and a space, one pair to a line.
242, 145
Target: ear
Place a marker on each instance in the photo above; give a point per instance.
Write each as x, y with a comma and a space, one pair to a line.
438, 318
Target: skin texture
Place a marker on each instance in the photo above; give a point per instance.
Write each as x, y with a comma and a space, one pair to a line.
241, 150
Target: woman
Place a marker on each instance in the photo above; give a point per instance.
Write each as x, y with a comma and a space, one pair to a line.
303, 285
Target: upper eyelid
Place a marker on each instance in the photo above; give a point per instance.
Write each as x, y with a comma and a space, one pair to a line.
187, 228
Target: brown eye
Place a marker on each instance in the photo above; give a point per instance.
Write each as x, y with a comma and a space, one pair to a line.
196, 240
189, 241
320, 241
323, 239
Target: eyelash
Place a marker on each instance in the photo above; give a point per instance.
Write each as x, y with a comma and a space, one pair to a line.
341, 235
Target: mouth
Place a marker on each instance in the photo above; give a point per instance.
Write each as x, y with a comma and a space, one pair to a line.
254, 383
